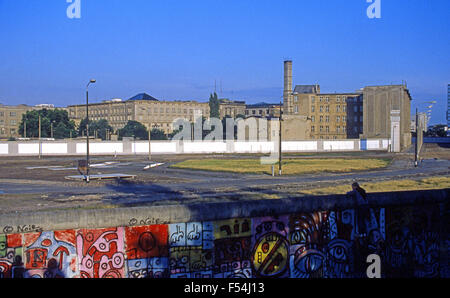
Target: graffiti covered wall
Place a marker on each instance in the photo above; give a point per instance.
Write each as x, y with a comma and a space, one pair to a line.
411, 241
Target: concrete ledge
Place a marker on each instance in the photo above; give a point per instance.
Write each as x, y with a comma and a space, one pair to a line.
136, 216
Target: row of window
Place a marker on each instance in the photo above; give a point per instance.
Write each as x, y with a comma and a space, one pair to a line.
324, 99
338, 118
339, 129
11, 122
12, 131
11, 114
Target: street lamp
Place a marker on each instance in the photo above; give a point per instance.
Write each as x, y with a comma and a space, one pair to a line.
87, 129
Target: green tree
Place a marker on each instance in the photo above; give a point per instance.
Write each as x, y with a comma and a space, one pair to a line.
436, 131
214, 106
99, 128
55, 118
134, 129
157, 134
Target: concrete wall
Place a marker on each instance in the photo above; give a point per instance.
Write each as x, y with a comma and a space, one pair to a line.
55, 148
296, 238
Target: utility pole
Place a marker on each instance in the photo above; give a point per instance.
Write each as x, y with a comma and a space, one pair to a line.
279, 141
25, 129
149, 145
40, 150
417, 139
87, 130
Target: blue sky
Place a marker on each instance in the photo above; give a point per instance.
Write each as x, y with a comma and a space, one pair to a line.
180, 50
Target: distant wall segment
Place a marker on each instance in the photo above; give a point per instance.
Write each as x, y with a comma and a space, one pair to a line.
73, 148
287, 238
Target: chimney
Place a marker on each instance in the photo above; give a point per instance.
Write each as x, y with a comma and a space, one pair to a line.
287, 92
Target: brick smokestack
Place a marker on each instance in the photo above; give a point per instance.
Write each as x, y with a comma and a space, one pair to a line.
287, 92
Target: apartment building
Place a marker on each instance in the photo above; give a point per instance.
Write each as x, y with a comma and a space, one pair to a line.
262, 110
328, 115
142, 108
231, 108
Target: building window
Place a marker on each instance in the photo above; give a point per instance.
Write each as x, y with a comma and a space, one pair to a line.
321, 128
320, 99
327, 118
338, 99
338, 129
344, 118
13, 122
12, 114
313, 109
321, 109
344, 109
295, 98
296, 109
313, 99
313, 129
313, 118
338, 108
321, 119
327, 129
356, 118
338, 119
327, 99
355, 109
327, 109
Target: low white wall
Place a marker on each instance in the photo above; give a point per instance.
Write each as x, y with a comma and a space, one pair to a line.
204, 147
4, 148
54, 148
187, 147
168, 147
100, 148
32, 148
339, 145
299, 146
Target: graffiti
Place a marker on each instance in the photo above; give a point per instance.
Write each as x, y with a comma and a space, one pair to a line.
101, 253
410, 241
308, 238
22, 229
413, 247
145, 222
147, 251
232, 248
11, 265
51, 254
191, 249
270, 249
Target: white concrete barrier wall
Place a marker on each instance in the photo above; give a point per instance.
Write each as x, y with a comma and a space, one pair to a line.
188, 147
339, 145
299, 146
32, 148
54, 148
4, 148
169, 147
204, 147
254, 147
100, 148
373, 144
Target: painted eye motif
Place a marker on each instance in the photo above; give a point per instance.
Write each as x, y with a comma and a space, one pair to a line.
338, 250
309, 261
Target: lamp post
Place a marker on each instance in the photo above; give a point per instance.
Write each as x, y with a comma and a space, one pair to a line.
417, 149
87, 129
